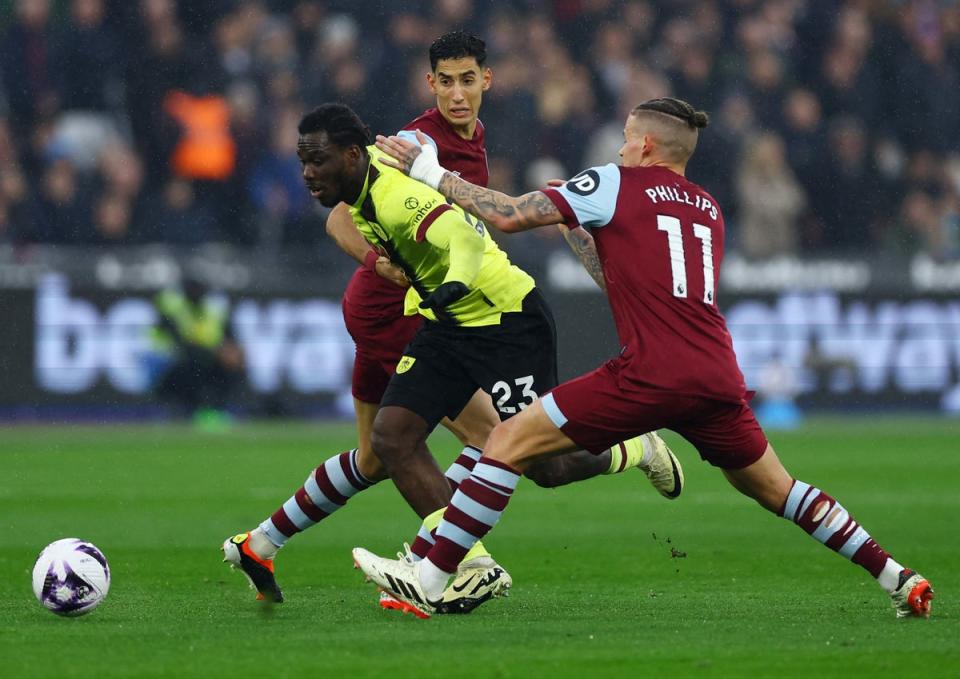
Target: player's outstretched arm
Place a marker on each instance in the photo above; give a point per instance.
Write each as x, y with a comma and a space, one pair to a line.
343, 231
503, 212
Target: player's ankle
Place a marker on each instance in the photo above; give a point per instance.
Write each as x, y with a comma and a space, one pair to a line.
647, 445
261, 545
432, 579
889, 577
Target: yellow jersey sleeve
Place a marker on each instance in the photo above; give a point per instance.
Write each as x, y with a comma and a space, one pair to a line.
435, 242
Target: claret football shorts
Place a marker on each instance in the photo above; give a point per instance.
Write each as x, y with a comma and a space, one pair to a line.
596, 411
380, 343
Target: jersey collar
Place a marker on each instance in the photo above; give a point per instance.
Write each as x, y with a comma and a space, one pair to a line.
372, 174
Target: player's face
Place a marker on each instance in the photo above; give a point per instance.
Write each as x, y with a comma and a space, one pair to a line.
459, 85
329, 172
635, 145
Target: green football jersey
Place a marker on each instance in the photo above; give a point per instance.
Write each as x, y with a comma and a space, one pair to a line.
414, 226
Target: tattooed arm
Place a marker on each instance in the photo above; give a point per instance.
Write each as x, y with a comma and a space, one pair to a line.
519, 214
581, 242
503, 212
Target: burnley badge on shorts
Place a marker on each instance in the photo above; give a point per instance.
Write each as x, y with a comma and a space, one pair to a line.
405, 364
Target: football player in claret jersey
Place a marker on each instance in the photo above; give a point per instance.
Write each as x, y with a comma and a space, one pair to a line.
659, 241
373, 308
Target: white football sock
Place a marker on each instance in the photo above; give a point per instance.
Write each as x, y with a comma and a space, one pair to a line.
261, 544
889, 577
432, 579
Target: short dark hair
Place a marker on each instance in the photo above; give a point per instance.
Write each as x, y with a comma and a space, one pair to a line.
676, 108
343, 127
456, 45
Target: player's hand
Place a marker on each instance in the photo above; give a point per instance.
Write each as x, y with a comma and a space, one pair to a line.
445, 295
393, 273
419, 162
402, 152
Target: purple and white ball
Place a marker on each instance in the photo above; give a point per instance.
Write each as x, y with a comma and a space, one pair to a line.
71, 577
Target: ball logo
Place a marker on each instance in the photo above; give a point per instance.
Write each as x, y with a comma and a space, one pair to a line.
584, 183
411, 203
405, 364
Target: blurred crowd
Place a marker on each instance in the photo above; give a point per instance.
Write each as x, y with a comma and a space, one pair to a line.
835, 125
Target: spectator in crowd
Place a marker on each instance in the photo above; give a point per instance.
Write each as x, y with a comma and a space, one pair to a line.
63, 206
28, 63
847, 199
276, 187
112, 216
175, 216
803, 134
765, 87
88, 60
849, 80
929, 217
770, 198
15, 209
926, 94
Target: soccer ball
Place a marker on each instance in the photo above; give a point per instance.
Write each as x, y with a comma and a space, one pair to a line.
71, 577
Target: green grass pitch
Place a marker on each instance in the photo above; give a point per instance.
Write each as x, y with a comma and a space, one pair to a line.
610, 580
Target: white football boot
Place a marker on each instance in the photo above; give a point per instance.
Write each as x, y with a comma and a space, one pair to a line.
663, 469
477, 581
399, 577
912, 596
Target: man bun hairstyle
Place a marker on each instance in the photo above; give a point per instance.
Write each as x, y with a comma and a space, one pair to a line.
343, 127
457, 45
676, 108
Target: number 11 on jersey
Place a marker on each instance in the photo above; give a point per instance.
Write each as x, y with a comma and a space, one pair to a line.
678, 264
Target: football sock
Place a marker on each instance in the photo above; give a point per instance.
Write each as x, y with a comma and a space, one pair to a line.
474, 509
889, 577
827, 521
629, 454
426, 536
261, 544
326, 490
433, 580
462, 466
456, 473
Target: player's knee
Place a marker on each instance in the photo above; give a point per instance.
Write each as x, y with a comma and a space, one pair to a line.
386, 446
395, 440
369, 464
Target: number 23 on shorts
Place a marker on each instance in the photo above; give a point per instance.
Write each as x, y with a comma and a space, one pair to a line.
503, 394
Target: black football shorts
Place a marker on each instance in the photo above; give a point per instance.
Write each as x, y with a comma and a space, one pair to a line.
514, 361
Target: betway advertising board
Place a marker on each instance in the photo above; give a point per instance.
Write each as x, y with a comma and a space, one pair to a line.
65, 344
